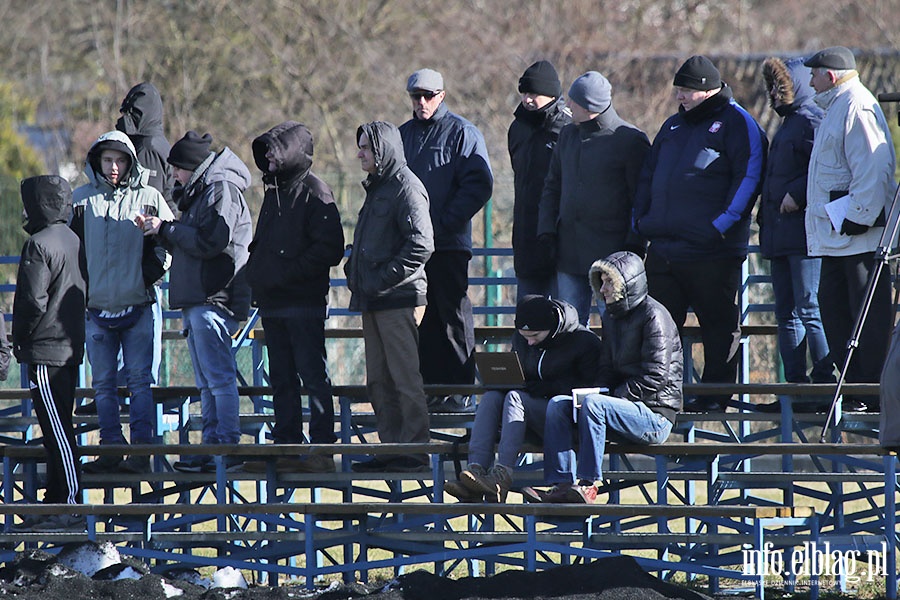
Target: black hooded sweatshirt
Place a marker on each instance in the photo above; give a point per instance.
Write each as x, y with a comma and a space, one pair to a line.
298, 234
142, 122
48, 309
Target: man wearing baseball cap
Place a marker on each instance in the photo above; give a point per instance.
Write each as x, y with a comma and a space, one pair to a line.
448, 154
852, 160
693, 203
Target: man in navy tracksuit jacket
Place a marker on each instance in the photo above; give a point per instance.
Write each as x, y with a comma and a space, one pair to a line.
448, 154
693, 203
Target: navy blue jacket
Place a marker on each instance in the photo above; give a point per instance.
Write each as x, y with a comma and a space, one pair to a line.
700, 182
786, 170
448, 154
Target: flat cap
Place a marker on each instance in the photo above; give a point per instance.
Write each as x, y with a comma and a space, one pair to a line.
836, 57
427, 80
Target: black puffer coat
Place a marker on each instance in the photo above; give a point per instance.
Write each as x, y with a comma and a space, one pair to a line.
298, 234
568, 358
642, 358
531, 140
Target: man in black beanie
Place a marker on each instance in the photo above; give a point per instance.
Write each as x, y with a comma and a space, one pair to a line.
585, 207
540, 116
209, 245
693, 204
557, 354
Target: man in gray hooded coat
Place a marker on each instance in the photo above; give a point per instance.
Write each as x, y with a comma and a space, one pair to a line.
386, 275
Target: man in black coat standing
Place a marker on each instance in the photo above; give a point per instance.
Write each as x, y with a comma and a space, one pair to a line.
298, 239
48, 336
531, 139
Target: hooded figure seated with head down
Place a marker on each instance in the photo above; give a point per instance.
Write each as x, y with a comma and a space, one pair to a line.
641, 371
557, 354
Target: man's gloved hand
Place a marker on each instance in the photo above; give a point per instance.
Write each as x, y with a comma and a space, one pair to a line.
547, 244
639, 249
848, 227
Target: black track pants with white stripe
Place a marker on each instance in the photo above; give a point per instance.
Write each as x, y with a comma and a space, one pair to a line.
53, 393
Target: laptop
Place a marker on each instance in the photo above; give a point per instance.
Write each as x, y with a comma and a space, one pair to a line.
500, 370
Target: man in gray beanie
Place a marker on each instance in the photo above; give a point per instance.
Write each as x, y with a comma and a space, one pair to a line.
585, 209
693, 205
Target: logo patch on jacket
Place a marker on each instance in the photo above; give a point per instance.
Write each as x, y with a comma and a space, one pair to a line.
717, 125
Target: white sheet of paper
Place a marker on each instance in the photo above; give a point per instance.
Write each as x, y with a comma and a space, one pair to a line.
837, 211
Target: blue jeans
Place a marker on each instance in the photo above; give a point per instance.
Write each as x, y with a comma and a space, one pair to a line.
543, 286
576, 290
795, 280
136, 344
209, 342
296, 350
632, 421
512, 413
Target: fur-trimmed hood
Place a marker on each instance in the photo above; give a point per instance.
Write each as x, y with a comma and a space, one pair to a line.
787, 81
629, 280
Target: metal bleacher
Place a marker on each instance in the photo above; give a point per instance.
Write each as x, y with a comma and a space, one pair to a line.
725, 482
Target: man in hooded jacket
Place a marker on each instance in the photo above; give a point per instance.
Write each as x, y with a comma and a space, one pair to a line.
120, 293
48, 336
782, 232
641, 370
298, 239
209, 245
392, 242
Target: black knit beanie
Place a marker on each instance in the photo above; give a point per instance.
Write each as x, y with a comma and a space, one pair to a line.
698, 73
189, 152
540, 78
537, 313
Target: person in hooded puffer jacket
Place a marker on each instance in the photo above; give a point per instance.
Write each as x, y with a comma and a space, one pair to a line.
640, 366
385, 272
122, 267
298, 239
782, 232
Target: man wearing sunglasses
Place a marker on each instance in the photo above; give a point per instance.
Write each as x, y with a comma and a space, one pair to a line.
449, 155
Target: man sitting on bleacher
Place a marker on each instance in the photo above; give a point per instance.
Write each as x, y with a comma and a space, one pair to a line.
641, 369
557, 353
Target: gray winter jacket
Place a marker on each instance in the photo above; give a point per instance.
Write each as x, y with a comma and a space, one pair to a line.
393, 238
210, 242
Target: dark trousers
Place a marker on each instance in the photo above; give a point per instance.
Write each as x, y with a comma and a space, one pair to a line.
842, 289
296, 349
709, 287
53, 393
447, 331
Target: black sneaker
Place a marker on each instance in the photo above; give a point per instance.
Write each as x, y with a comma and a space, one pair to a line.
135, 464
195, 464
105, 464
408, 464
371, 465
456, 403
233, 464
704, 405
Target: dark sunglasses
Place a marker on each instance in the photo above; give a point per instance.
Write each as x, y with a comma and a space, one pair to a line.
427, 95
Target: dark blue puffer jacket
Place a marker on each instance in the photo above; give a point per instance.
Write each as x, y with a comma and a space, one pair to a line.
700, 182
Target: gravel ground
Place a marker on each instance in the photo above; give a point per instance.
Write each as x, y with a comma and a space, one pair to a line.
37, 575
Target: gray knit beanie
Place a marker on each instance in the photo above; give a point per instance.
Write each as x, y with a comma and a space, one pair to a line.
592, 92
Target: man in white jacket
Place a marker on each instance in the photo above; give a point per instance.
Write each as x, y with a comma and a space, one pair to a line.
853, 162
